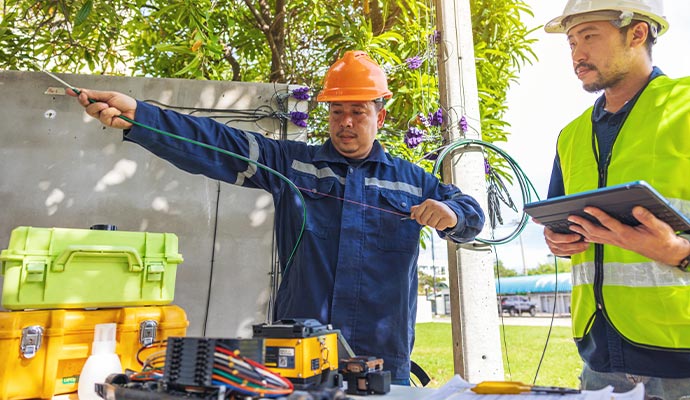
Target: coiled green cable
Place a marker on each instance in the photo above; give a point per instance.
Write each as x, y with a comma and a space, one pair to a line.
526, 186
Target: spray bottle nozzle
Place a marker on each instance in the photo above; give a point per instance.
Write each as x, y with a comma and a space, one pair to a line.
104, 339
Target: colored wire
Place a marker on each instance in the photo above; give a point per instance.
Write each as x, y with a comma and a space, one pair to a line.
245, 376
151, 375
256, 370
158, 343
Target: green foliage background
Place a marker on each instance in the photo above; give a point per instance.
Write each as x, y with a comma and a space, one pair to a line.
273, 41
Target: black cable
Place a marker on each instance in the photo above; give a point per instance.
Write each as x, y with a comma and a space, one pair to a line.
553, 316
213, 261
500, 310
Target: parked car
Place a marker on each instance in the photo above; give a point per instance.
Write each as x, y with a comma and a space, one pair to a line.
516, 305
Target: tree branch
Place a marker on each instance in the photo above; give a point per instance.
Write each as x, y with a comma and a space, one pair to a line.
260, 22
378, 25
227, 55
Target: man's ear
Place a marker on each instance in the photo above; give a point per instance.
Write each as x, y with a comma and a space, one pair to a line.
639, 33
381, 117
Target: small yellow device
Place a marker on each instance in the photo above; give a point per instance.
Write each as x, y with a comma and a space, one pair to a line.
302, 350
508, 387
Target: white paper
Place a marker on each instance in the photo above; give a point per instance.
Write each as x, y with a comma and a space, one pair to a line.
454, 385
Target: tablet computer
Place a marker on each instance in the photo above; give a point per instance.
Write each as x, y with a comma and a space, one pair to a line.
618, 201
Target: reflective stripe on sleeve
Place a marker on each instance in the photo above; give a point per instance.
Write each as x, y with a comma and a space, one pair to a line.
253, 155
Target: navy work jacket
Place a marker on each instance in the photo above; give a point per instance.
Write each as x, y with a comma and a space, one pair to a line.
356, 265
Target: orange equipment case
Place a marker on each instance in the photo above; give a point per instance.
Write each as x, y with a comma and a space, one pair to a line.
42, 352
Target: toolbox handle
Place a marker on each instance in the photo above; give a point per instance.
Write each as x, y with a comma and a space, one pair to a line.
133, 259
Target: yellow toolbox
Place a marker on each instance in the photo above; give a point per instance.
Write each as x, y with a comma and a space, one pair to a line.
42, 352
48, 268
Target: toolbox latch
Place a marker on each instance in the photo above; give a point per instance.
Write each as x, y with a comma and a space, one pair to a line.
147, 332
35, 271
31, 340
154, 272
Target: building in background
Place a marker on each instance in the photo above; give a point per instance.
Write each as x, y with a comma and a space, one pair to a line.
544, 290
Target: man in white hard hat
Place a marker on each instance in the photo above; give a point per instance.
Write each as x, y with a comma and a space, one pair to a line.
631, 285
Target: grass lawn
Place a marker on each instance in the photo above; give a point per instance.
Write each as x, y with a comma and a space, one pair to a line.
560, 367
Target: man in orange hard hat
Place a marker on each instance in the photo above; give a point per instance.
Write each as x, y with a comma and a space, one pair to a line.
356, 265
631, 286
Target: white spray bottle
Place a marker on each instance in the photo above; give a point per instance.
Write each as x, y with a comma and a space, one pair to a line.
102, 362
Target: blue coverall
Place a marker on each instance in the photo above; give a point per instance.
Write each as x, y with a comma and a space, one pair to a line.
356, 265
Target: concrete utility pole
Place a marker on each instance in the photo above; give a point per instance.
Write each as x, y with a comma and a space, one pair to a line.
476, 339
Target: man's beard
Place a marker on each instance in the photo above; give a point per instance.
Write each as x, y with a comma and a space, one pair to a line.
601, 82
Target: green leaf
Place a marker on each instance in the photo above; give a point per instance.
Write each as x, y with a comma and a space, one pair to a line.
83, 12
193, 65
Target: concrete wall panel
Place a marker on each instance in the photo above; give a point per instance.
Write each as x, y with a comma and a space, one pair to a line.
61, 168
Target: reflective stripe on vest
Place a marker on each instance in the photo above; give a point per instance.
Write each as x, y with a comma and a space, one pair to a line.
648, 274
646, 301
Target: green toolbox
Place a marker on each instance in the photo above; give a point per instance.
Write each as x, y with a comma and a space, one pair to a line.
46, 268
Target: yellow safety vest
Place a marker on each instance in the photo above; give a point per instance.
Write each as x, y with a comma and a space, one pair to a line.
647, 302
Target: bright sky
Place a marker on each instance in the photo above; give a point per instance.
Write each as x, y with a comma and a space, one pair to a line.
548, 96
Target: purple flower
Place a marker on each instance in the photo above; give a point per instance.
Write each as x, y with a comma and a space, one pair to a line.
413, 62
423, 120
435, 37
436, 118
463, 124
487, 167
413, 137
301, 93
299, 118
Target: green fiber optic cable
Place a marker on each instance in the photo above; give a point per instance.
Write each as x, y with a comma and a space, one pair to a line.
235, 155
526, 186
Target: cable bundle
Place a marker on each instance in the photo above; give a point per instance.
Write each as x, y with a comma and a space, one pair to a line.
208, 363
245, 376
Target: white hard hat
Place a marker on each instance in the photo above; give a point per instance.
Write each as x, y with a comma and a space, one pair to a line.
621, 12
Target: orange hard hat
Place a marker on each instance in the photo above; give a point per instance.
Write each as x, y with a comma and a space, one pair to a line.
355, 77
